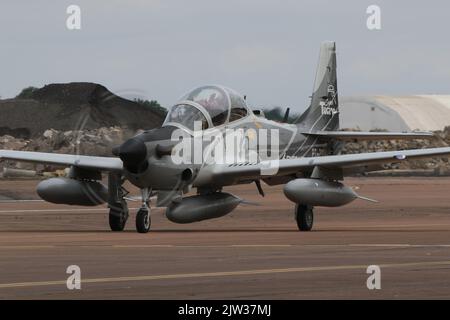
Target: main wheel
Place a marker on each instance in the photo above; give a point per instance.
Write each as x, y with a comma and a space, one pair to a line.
305, 217
117, 218
143, 221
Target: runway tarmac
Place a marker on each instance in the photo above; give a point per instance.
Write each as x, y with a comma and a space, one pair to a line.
255, 252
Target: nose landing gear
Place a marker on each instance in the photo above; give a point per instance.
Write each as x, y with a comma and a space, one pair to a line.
143, 220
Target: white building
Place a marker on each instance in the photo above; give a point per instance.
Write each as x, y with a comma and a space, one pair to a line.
395, 113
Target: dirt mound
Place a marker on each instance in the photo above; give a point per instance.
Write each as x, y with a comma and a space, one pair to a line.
73, 106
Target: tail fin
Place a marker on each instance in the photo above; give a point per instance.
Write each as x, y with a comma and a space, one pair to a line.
323, 113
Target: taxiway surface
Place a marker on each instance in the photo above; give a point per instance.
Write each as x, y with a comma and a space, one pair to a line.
255, 252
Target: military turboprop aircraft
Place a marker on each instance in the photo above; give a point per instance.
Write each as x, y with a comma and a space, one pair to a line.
304, 156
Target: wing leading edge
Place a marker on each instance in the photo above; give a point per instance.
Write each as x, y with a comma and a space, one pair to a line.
89, 162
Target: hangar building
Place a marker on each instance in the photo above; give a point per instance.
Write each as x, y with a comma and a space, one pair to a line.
395, 113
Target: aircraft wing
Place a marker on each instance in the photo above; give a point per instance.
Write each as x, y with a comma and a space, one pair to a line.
356, 135
229, 174
89, 162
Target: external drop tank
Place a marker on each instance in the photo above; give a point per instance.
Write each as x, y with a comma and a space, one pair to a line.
318, 192
202, 207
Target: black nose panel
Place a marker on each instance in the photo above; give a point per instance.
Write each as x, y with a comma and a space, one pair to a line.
133, 152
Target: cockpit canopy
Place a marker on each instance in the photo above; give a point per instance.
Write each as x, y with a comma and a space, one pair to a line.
211, 106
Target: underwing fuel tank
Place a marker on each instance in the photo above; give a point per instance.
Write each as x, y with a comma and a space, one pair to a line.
72, 191
317, 192
202, 207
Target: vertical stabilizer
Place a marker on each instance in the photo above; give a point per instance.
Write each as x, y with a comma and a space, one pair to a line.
323, 113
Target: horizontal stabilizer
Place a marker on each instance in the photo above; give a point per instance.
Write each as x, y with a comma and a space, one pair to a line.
357, 135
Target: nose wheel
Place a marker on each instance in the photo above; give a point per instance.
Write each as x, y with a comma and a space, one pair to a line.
143, 219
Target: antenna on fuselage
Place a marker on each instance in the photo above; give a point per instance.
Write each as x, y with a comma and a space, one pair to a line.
286, 115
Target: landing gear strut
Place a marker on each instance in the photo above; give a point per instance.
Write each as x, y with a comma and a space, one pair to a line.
143, 220
118, 209
304, 216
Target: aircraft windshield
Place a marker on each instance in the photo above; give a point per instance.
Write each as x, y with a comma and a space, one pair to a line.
215, 106
187, 115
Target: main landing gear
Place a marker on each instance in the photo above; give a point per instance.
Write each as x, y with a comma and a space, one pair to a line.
118, 208
304, 215
143, 220
118, 216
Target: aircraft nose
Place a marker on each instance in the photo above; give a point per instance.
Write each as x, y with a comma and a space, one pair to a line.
132, 152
